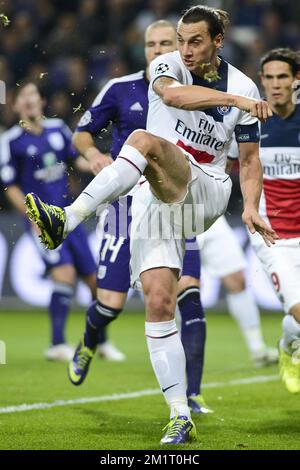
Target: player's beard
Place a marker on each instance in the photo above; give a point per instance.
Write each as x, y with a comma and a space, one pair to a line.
208, 64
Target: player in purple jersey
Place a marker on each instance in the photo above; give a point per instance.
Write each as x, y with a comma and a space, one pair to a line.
124, 101
35, 153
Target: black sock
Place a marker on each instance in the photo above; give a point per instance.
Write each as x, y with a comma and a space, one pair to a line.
98, 316
193, 335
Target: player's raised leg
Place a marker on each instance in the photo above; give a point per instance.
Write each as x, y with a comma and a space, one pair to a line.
162, 162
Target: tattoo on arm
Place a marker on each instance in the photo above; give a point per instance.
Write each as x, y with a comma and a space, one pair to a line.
163, 82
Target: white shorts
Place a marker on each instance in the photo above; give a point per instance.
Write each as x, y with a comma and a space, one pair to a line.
281, 262
157, 242
221, 253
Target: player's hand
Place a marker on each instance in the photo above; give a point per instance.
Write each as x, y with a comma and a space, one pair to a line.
255, 223
97, 160
257, 108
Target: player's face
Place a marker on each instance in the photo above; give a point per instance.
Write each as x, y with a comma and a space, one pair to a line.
195, 44
29, 103
159, 40
277, 79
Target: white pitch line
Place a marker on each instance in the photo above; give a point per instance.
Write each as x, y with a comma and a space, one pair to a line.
127, 396
247, 380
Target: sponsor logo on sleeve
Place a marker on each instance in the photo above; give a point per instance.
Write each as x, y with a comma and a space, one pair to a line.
243, 137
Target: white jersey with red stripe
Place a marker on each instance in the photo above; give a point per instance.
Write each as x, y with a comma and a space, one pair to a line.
280, 158
205, 134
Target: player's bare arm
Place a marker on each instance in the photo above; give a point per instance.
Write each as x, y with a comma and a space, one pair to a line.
83, 165
16, 197
251, 187
194, 97
84, 143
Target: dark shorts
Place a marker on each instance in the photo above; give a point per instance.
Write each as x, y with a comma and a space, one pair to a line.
192, 261
113, 269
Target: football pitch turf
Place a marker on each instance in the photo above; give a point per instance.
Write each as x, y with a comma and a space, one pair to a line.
252, 409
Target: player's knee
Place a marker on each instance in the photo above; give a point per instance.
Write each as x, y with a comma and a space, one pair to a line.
234, 282
141, 140
111, 298
160, 306
295, 311
65, 274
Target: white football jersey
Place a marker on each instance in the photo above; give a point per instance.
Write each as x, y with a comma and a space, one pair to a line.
205, 134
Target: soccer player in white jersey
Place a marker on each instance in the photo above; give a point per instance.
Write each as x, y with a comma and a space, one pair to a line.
280, 200
186, 121
124, 102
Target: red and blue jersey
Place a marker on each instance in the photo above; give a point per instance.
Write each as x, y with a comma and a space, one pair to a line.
280, 158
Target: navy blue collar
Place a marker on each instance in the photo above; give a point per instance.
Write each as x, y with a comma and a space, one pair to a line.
220, 84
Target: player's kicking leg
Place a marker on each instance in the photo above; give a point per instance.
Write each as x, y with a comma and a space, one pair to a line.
162, 162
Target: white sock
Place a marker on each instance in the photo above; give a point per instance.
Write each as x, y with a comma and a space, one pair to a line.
168, 362
291, 333
113, 181
243, 309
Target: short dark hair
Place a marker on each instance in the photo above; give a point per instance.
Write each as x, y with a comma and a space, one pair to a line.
284, 55
22, 84
216, 19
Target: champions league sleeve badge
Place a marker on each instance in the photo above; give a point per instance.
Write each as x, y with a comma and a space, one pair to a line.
161, 68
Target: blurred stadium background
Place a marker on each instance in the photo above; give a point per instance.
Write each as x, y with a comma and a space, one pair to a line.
73, 47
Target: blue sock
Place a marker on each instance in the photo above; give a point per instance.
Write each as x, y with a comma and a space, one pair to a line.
98, 316
193, 335
58, 309
102, 335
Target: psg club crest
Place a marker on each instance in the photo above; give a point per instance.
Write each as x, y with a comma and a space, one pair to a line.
161, 68
223, 110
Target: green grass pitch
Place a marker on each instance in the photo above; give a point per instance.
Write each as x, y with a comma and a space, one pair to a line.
250, 415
